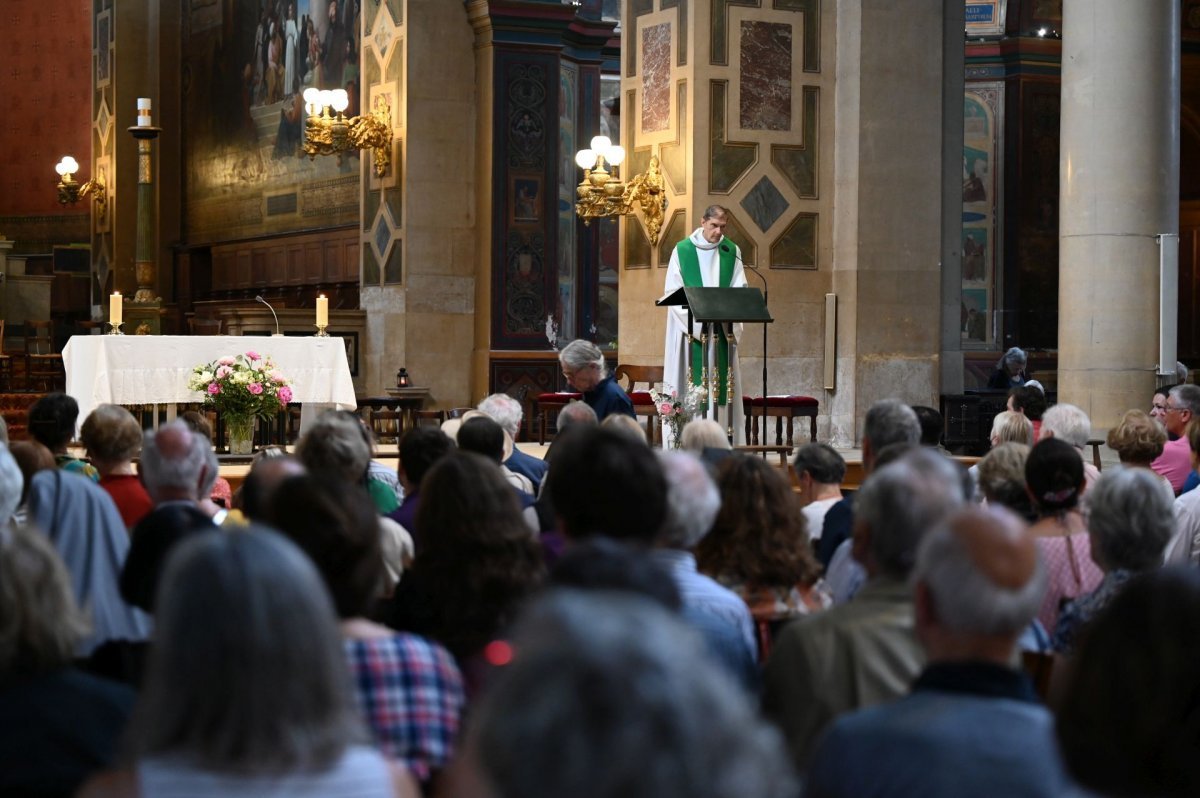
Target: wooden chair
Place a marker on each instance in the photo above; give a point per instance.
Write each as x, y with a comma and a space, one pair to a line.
200, 325
780, 408
43, 364
547, 405
428, 418
88, 327
387, 425
629, 377
457, 412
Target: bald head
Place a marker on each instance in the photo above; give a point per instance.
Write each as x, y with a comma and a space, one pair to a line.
981, 576
175, 463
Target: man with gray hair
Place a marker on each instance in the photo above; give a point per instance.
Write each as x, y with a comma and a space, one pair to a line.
1069, 423
1175, 462
719, 614
863, 652
972, 724
507, 412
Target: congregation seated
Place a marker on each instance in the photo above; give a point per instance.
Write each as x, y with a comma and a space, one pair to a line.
52, 423
31, 457
264, 478
1127, 717
1029, 401
1070, 424
1185, 543
1002, 479
57, 724
1130, 521
971, 725
112, 438
1054, 475
1007, 427
759, 548
1138, 440
470, 578
420, 449
863, 652
625, 688
604, 565
706, 438
220, 494
820, 471
715, 611
507, 412
630, 427
1181, 407
247, 691
408, 689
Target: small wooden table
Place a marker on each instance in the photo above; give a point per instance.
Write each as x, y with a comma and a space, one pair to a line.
404, 401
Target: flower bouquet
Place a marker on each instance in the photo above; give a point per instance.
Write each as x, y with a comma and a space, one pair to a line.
678, 410
241, 388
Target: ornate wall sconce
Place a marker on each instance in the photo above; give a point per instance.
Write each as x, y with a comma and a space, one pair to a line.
70, 191
329, 132
603, 194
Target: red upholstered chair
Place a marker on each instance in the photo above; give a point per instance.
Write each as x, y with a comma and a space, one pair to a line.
547, 403
779, 407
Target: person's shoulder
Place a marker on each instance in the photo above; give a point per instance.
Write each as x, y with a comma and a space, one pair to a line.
111, 784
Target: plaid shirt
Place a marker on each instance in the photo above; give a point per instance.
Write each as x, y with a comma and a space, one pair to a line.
411, 694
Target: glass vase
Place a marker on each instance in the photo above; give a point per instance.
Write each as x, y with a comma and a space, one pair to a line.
240, 434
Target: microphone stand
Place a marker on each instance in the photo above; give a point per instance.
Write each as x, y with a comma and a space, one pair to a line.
259, 298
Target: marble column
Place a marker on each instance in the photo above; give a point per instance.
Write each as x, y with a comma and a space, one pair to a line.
1119, 173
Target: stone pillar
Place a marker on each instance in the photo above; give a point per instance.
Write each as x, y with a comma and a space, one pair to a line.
1119, 183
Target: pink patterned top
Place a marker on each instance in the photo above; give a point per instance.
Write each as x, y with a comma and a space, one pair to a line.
1070, 573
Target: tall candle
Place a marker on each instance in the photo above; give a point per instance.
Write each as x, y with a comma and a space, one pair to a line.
143, 105
322, 311
116, 309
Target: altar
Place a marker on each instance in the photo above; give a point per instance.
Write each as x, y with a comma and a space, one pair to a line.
154, 369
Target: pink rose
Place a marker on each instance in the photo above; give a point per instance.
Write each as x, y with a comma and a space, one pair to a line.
254, 388
285, 394
277, 376
227, 361
253, 355
213, 389
665, 408
223, 372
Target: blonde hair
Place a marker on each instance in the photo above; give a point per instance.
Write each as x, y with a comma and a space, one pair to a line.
627, 426
703, 433
1011, 427
1138, 438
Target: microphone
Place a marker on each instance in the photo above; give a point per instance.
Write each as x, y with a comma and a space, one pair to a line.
259, 298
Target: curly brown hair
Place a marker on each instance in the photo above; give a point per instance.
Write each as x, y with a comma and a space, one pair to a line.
1138, 439
760, 536
477, 559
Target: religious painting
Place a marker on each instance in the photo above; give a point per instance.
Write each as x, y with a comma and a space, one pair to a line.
985, 17
526, 200
975, 315
980, 237
246, 65
568, 175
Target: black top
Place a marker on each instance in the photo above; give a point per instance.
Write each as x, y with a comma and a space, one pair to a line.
154, 537
608, 398
1001, 381
57, 729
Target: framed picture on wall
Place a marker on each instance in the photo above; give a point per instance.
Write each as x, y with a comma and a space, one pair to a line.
525, 200
985, 17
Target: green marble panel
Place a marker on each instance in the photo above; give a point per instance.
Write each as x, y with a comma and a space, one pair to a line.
673, 157
397, 9
738, 235
637, 245
719, 32
812, 29
796, 248
393, 272
799, 163
370, 208
673, 232
727, 161
370, 276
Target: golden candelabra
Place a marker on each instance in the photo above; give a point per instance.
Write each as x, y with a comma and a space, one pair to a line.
71, 191
329, 131
602, 193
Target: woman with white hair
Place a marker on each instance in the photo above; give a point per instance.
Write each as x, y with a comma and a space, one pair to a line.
1130, 519
584, 367
248, 693
1010, 370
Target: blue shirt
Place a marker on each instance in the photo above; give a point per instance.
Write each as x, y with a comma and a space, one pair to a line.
608, 398
968, 728
527, 465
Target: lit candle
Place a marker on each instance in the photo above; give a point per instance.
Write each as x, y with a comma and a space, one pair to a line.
116, 309
143, 119
322, 311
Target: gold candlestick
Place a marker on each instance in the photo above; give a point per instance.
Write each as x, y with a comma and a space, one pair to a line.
114, 328
321, 331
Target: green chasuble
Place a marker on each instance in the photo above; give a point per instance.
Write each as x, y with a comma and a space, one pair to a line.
689, 269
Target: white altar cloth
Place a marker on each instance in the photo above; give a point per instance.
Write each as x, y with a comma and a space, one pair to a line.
154, 369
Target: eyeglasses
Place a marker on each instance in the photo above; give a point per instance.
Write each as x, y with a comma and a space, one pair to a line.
1169, 409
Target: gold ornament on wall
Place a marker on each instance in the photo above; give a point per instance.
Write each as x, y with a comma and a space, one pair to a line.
328, 131
70, 191
602, 193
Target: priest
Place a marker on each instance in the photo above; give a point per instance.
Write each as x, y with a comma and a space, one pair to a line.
706, 259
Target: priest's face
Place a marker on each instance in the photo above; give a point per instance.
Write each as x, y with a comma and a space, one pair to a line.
712, 228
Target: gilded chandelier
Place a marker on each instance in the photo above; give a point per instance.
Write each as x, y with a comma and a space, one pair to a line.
602, 193
329, 132
70, 191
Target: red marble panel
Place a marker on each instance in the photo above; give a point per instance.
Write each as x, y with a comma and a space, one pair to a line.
656, 77
46, 87
766, 80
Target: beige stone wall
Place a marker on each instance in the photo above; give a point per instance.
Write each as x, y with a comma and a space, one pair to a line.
421, 302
